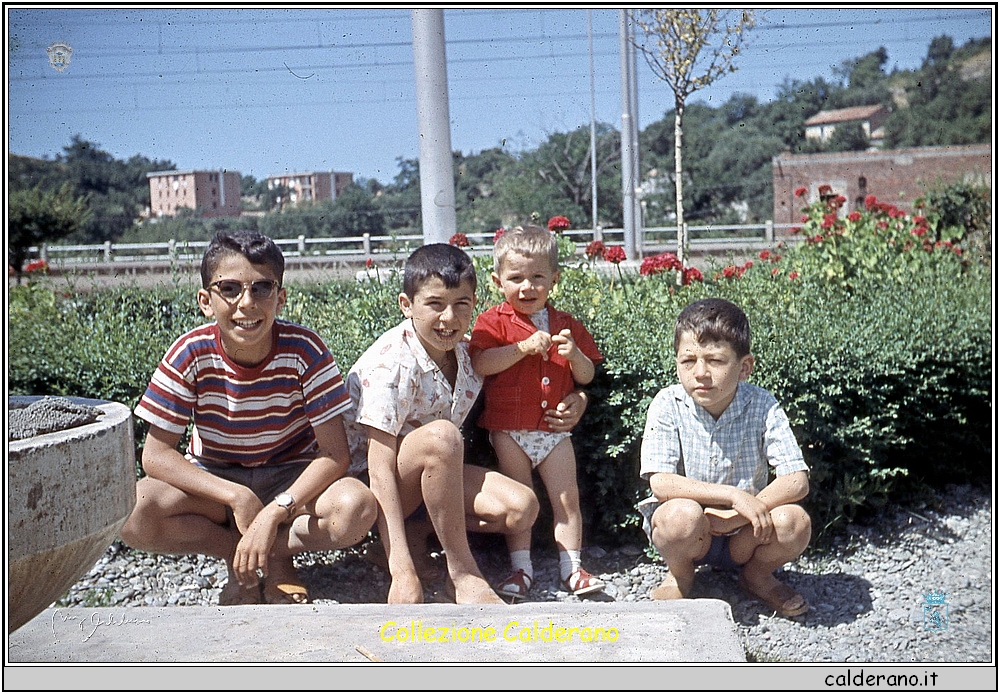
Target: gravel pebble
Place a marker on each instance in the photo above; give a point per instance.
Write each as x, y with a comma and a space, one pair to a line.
867, 591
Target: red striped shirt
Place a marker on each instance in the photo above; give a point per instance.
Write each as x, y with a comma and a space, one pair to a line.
248, 416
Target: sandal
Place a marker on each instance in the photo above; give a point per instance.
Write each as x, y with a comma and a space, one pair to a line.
286, 593
515, 586
580, 582
782, 599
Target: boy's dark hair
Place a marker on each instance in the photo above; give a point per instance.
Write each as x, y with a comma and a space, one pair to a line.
449, 263
252, 245
715, 320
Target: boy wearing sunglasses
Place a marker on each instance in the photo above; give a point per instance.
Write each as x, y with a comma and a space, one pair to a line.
263, 477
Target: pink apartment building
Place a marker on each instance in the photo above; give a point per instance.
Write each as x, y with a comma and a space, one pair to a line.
312, 185
211, 193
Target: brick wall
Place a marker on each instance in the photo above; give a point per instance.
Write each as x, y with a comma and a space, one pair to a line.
896, 176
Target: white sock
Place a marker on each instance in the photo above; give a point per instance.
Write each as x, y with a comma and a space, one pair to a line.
569, 561
521, 559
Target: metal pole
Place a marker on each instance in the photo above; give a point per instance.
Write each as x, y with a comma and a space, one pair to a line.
437, 179
636, 176
628, 171
593, 127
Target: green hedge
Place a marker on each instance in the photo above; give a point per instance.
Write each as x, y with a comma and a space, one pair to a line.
886, 382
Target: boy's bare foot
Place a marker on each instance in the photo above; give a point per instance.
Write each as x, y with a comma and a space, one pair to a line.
667, 590
473, 590
405, 590
235, 594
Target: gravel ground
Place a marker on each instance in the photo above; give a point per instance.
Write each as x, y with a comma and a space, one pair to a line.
867, 593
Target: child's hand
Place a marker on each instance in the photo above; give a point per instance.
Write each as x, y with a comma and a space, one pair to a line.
565, 345
755, 511
538, 343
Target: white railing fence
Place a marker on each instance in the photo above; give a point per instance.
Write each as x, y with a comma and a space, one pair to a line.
350, 250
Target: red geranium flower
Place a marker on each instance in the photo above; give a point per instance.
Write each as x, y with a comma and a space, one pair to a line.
764, 255
369, 263
825, 190
500, 232
801, 191
614, 254
854, 216
594, 249
793, 275
459, 240
656, 264
692, 274
558, 224
38, 265
870, 202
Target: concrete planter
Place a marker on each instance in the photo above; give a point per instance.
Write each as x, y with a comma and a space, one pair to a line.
68, 495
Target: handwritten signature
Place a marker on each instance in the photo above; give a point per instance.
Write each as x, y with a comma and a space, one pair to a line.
89, 626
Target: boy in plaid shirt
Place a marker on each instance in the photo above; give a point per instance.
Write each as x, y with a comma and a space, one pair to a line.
709, 445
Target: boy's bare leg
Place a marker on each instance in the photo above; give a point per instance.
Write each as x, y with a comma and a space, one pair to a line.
430, 467
790, 537
339, 517
558, 473
166, 520
681, 534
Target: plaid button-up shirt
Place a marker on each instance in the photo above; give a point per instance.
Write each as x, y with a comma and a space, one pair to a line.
752, 436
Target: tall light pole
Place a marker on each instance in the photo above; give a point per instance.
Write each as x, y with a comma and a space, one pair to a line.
631, 219
437, 178
593, 127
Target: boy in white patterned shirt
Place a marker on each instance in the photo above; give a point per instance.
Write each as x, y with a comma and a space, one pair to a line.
707, 449
411, 391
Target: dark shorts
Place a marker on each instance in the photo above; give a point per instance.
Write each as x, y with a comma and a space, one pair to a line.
266, 481
718, 554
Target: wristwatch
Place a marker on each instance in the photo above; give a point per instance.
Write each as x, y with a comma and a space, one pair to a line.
286, 501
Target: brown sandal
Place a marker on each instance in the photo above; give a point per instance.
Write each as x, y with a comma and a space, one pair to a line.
783, 599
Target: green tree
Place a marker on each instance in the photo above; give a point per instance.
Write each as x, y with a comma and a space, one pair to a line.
867, 83
35, 216
117, 191
476, 179
945, 106
354, 213
677, 45
400, 200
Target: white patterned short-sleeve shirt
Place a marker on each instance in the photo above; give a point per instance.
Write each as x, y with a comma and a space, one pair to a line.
396, 387
751, 437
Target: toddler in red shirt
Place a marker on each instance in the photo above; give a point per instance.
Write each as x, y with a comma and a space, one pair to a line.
532, 357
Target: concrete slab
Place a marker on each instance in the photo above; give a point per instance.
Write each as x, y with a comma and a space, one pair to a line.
688, 631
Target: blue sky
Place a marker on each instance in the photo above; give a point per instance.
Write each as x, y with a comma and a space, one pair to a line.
269, 91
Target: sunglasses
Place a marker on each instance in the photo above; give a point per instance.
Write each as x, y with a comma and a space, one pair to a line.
232, 290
